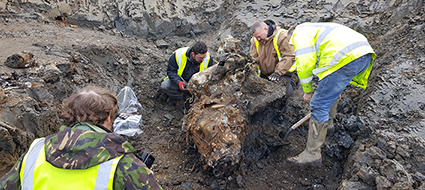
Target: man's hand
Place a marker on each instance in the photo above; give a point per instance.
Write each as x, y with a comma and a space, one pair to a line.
274, 77
307, 97
182, 86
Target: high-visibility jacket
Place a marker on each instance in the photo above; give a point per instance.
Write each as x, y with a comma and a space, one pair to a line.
323, 48
37, 173
181, 60
276, 47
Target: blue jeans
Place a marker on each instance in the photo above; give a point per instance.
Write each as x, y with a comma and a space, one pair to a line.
331, 87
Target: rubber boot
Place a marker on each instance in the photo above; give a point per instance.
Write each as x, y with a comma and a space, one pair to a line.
332, 114
312, 155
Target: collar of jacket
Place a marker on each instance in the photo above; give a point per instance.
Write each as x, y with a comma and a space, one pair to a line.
73, 148
189, 57
88, 126
272, 36
272, 27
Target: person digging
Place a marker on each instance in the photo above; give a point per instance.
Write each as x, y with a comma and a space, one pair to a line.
338, 56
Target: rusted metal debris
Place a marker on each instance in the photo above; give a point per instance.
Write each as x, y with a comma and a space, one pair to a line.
225, 96
62, 21
20, 60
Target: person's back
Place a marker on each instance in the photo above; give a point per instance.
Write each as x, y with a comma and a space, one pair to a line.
82, 155
338, 56
323, 48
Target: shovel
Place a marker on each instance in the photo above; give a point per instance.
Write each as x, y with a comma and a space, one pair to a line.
285, 138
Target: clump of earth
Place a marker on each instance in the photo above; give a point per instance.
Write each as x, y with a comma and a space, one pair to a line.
378, 141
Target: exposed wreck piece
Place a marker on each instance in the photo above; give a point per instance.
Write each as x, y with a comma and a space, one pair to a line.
226, 95
20, 60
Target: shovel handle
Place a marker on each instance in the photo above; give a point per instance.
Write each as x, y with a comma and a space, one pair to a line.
295, 126
301, 121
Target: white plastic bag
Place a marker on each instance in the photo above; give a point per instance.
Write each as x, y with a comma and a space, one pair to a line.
129, 117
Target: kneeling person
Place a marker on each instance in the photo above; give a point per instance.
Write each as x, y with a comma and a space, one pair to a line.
84, 154
274, 56
182, 65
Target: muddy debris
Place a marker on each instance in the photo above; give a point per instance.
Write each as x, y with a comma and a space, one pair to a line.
20, 60
226, 95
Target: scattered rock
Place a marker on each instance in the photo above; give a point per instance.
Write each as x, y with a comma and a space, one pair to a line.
20, 60
402, 150
343, 139
239, 180
169, 116
368, 175
348, 185
353, 124
162, 44
186, 185
382, 183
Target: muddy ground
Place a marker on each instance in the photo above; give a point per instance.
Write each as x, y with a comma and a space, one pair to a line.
378, 142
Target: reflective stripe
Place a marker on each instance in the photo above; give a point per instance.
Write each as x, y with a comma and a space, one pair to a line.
305, 51
179, 55
181, 59
329, 29
31, 158
204, 63
105, 171
256, 45
346, 50
340, 55
103, 175
320, 39
206, 60
306, 80
112, 172
293, 67
276, 47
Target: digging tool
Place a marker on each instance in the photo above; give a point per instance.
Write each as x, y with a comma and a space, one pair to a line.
285, 138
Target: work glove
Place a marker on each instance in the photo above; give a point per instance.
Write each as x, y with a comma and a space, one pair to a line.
274, 77
182, 86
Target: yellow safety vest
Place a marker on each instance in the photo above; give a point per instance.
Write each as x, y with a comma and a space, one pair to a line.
37, 173
323, 48
181, 60
276, 47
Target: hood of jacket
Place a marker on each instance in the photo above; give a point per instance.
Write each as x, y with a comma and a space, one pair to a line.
271, 25
273, 29
73, 148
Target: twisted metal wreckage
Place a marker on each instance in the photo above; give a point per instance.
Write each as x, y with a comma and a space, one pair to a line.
225, 96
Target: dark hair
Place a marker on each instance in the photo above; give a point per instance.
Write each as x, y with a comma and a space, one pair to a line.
90, 104
199, 48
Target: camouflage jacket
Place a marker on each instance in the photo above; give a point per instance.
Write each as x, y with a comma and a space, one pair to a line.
76, 148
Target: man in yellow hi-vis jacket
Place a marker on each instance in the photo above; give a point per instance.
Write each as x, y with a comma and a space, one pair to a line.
184, 63
274, 56
338, 56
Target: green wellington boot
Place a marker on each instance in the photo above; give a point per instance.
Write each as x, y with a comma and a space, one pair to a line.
312, 155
